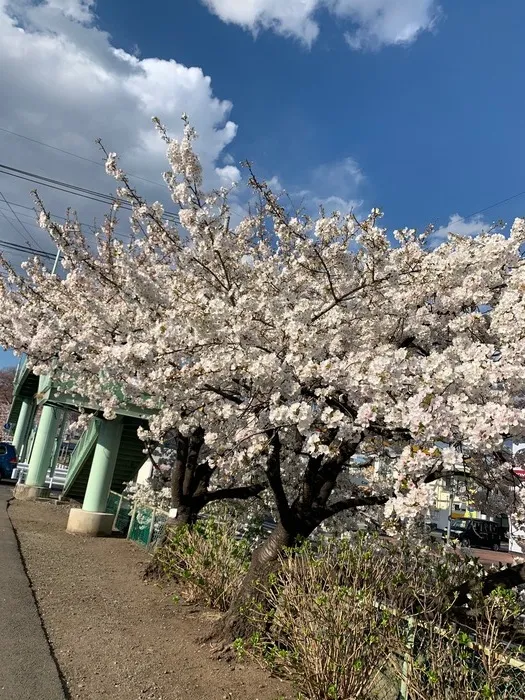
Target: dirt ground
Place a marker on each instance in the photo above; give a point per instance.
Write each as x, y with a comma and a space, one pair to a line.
115, 636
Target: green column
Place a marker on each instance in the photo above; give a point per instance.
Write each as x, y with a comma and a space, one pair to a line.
43, 446
23, 426
103, 466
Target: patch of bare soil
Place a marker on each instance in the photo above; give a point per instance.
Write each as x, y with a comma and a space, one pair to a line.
115, 636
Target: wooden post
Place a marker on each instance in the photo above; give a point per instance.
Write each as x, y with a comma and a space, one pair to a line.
131, 521
407, 661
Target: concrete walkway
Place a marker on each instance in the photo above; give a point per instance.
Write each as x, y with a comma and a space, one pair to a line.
27, 668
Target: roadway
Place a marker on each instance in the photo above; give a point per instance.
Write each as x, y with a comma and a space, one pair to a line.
488, 556
27, 668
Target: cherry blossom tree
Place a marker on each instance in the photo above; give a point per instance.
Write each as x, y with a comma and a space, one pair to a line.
7, 376
287, 348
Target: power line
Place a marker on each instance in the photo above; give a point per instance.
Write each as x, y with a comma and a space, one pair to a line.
158, 184
74, 155
27, 223
18, 219
11, 224
118, 234
69, 188
496, 204
26, 249
53, 216
33, 218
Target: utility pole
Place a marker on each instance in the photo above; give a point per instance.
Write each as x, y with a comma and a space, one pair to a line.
450, 502
55, 264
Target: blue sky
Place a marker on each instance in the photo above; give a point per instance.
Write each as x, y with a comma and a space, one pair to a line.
437, 127
417, 108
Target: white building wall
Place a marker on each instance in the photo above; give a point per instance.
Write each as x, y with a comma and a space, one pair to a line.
144, 472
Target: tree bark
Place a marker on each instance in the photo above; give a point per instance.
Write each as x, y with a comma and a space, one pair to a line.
296, 520
190, 492
265, 560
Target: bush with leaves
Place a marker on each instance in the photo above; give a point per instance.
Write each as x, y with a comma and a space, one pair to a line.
322, 626
450, 662
207, 560
358, 618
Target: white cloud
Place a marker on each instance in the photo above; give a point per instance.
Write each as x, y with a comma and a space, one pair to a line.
387, 22
80, 10
336, 186
288, 17
339, 176
371, 23
459, 226
229, 175
64, 82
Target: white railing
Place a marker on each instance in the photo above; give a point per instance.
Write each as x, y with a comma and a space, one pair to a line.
55, 480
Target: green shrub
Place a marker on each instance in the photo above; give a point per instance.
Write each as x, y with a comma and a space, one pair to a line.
324, 629
206, 560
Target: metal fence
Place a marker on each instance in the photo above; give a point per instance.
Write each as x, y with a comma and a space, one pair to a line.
455, 668
55, 479
143, 525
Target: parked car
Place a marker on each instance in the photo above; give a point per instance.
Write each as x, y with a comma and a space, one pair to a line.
8, 460
473, 532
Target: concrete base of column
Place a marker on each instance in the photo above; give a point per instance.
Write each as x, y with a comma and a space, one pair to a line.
23, 492
82, 522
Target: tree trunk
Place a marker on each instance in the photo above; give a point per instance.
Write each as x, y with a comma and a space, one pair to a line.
265, 560
298, 519
510, 577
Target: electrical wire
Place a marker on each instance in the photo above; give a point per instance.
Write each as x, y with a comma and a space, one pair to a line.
74, 155
496, 204
26, 249
18, 219
32, 221
53, 216
69, 188
158, 184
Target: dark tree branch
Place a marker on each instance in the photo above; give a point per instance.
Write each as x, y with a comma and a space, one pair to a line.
309, 479
241, 493
410, 343
506, 578
194, 475
345, 297
349, 503
329, 472
179, 471
230, 395
273, 473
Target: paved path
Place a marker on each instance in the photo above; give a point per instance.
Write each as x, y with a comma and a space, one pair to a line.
487, 556
27, 669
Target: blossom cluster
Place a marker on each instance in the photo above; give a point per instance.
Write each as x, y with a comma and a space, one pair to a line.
286, 336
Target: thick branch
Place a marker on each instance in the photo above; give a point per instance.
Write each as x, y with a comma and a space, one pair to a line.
410, 343
193, 474
506, 578
273, 472
179, 471
241, 493
349, 503
328, 474
230, 395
